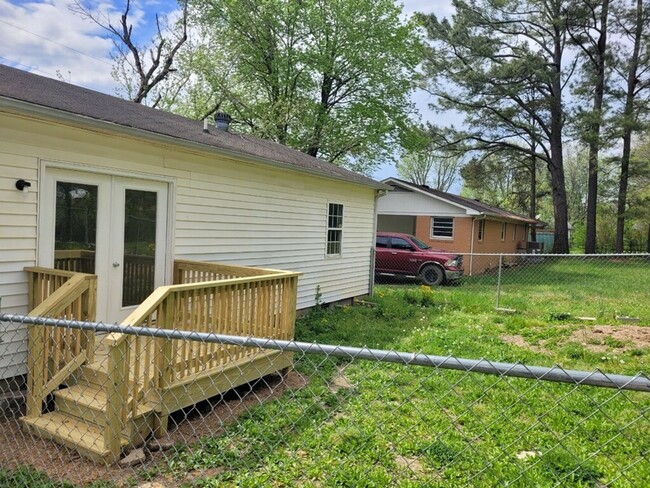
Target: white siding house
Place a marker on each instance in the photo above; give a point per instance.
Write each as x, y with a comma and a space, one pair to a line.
222, 197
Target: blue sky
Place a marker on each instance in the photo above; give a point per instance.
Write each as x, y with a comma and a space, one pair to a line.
48, 38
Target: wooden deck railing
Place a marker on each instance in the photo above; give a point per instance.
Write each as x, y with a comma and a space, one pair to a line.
55, 353
208, 298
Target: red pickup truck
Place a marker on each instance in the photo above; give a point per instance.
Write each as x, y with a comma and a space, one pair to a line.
403, 254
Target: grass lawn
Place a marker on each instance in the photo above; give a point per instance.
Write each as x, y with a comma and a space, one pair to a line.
360, 423
414, 426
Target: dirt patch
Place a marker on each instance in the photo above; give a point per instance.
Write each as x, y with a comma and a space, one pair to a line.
623, 338
187, 426
598, 338
340, 381
410, 463
520, 341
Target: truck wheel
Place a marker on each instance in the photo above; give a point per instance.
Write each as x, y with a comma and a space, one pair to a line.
432, 275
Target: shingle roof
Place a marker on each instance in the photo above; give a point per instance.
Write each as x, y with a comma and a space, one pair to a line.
484, 208
65, 97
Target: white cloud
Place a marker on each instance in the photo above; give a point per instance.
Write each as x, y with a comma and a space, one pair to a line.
442, 8
47, 37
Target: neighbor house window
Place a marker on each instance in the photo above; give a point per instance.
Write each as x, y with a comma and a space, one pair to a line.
504, 229
334, 228
514, 232
442, 227
481, 229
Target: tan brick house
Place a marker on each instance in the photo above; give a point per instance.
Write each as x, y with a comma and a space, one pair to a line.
453, 223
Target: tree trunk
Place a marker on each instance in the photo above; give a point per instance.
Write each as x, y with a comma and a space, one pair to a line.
594, 132
556, 165
533, 196
628, 114
323, 107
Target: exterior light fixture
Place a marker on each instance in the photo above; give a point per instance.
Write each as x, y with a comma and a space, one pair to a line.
23, 185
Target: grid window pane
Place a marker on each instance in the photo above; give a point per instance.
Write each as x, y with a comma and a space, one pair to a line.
334, 228
75, 228
442, 227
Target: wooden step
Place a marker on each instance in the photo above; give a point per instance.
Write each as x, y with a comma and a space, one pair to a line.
95, 374
84, 437
88, 402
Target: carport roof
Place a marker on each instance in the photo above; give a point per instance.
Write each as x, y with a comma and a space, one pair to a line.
468, 203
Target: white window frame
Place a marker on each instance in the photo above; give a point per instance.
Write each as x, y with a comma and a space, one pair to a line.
433, 224
504, 230
481, 230
514, 232
338, 227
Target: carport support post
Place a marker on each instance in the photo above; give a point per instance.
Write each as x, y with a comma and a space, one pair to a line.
499, 280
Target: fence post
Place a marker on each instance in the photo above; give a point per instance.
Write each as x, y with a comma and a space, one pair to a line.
165, 362
116, 393
499, 281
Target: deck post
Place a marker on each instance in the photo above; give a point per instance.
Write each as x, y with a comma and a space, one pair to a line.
116, 392
165, 363
36, 362
89, 312
36, 348
289, 312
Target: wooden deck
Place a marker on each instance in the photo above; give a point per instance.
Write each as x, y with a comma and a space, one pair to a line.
111, 394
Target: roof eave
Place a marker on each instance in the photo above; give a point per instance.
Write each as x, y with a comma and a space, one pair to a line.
27, 108
468, 210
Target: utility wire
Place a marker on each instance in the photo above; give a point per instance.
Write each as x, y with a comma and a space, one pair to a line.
11, 62
55, 42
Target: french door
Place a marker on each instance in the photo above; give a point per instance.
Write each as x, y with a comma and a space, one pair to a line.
111, 226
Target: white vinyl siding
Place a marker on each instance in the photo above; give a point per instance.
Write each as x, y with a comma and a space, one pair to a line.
266, 219
17, 250
225, 211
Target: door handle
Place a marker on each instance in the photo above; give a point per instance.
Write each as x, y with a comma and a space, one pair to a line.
116, 264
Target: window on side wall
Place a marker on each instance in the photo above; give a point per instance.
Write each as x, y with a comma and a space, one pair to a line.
334, 229
442, 227
481, 229
504, 230
514, 232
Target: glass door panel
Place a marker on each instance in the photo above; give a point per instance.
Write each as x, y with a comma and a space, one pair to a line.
140, 209
75, 230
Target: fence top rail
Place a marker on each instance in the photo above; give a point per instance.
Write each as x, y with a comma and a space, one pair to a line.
596, 378
549, 255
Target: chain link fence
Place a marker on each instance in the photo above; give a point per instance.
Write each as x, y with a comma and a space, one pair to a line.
331, 416
614, 288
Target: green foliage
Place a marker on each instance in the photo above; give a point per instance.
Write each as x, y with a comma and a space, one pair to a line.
564, 465
500, 65
422, 164
28, 477
421, 427
416, 426
330, 78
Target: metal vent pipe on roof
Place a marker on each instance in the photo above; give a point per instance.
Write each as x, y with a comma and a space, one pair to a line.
222, 120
